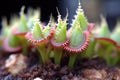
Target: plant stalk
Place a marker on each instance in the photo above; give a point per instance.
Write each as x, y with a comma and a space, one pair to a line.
57, 55
43, 54
72, 60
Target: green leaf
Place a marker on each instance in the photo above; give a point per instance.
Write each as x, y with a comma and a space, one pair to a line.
37, 31
60, 32
13, 40
80, 18
22, 23
5, 28
76, 36
46, 31
111, 55
104, 30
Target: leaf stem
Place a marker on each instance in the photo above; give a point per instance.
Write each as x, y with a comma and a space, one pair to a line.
43, 54
57, 55
72, 60
24, 45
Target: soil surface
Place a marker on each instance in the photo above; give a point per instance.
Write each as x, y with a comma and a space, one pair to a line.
85, 69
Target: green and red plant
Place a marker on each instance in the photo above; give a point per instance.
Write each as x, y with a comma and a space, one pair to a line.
54, 39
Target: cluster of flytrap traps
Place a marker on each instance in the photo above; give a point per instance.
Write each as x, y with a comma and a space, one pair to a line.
53, 40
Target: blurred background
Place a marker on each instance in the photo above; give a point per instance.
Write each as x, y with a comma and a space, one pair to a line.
92, 9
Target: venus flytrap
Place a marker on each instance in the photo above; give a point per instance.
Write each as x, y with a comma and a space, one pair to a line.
104, 30
21, 29
104, 41
110, 53
75, 40
59, 39
79, 35
78, 42
37, 34
102, 37
40, 36
11, 43
8, 38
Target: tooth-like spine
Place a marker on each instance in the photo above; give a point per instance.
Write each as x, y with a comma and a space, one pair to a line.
79, 10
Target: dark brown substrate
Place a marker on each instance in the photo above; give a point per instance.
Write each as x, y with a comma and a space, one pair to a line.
86, 69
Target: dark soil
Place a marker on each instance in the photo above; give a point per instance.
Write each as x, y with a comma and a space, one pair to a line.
86, 69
